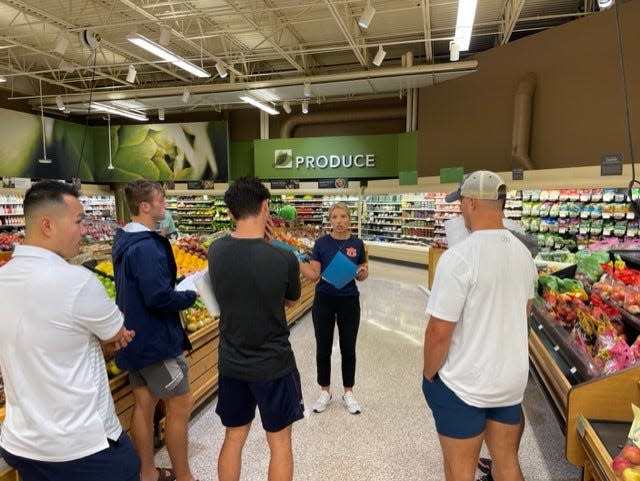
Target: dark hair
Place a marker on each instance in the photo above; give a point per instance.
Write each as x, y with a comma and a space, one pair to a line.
138, 191
245, 196
47, 192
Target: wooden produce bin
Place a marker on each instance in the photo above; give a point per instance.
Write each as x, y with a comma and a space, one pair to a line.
307, 294
434, 256
578, 402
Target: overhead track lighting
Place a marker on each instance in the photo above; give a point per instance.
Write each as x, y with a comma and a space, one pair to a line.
61, 45
305, 106
160, 114
367, 16
186, 96
286, 107
158, 50
306, 90
454, 51
464, 23
131, 74
221, 70
117, 111
256, 103
377, 60
59, 103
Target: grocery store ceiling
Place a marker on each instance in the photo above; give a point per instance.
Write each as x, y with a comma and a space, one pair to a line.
269, 47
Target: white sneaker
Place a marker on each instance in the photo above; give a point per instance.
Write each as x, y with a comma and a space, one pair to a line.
351, 403
322, 402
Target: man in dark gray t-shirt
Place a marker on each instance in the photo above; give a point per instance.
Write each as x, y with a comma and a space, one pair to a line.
253, 281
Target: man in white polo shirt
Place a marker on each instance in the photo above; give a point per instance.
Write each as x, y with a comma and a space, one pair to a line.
60, 419
475, 351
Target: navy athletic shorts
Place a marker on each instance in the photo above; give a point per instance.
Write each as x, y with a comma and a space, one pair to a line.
456, 419
279, 400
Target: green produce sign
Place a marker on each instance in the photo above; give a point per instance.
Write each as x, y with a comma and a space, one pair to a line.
365, 156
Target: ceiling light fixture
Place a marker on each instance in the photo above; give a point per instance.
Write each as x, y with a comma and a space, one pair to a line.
110, 166
306, 90
221, 70
160, 114
604, 4
59, 103
165, 35
367, 16
44, 159
3, 79
186, 96
464, 23
305, 106
286, 107
256, 103
61, 45
158, 50
377, 60
117, 111
454, 51
131, 74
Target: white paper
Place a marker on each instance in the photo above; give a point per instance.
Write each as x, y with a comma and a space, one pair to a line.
188, 283
456, 231
205, 289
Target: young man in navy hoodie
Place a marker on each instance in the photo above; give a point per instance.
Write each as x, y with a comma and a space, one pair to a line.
145, 273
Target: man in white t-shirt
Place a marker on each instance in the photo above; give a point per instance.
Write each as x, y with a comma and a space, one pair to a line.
475, 351
60, 420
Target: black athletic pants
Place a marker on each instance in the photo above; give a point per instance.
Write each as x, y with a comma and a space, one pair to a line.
326, 312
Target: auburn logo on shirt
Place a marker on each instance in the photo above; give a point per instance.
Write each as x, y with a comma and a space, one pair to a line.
351, 251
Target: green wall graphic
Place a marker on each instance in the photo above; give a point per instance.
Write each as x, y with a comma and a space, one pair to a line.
185, 151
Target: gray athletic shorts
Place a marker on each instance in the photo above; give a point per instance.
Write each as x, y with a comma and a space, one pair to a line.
164, 379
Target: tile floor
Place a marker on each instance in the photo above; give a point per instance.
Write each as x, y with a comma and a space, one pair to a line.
394, 438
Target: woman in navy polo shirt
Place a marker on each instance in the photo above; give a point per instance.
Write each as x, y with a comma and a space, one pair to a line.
332, 305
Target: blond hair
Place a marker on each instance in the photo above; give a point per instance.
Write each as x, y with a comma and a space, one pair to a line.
339, 205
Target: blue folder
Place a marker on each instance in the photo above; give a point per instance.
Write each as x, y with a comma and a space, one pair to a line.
340, 271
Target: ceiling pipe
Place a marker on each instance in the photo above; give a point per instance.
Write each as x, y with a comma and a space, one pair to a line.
295, 121
139, 94
522, 119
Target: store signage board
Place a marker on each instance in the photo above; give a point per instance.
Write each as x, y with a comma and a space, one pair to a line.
363, 156
285, 184
611, 164
195, 185
451, 175
517, 173
339, 183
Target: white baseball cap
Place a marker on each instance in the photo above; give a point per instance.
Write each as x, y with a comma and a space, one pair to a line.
481, 184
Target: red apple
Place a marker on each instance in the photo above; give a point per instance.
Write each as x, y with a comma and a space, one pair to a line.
631, 452
620, 463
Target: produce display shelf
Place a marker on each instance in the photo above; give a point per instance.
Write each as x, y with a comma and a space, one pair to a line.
626, 315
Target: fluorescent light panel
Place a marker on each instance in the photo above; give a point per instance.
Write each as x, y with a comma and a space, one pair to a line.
158, 50
464, 23
260, 105
121, 112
